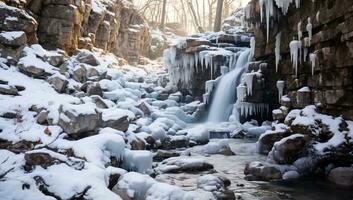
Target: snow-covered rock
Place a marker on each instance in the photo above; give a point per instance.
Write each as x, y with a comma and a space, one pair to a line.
183, 164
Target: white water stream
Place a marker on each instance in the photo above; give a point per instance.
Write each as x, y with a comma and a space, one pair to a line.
225, 95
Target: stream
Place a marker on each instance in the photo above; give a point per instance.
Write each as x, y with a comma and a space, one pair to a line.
232, 167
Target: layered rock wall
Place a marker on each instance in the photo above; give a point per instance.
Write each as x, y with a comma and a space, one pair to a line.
112, 25
330, 84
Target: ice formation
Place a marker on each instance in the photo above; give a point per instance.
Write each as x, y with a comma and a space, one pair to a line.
278, 49
249, 79
300, 33
309, 28
224, 70
249, 109
312, 58
209, 86
241, 92
262, 3
137, 160
295, 47
280, 87
252, 47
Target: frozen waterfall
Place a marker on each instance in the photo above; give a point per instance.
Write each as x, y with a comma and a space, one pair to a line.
225, 94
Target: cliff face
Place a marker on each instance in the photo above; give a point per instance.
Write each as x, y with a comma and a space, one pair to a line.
112, 25
330, 83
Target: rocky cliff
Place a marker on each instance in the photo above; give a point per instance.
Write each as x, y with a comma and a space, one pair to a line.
112, 25
318, 35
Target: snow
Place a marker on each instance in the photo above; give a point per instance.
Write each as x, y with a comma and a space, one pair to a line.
198, 134
11, 35
304, 89
215, 147
116, 114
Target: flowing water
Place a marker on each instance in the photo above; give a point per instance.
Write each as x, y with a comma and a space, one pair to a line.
232, 167
225, 94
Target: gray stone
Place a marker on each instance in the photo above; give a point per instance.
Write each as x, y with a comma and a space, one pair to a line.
13, 38
94, 89
87, 58
79, 74
58, 83
163, 154
257, 171
121, 124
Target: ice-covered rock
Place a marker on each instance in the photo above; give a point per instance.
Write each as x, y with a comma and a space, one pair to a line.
218, 147
183, 164
261, 171
289, 149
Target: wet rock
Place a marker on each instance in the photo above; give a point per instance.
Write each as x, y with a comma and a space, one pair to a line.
256, 171
342, 176
8, 90
87, 58
77, 119
289, 149
163, 154
59, 83
183, 164
290, 175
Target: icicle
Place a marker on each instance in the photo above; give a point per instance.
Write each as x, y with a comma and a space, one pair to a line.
209, 86
262, 3
206, 98
252, 46
297, 3
241, 92
280, 87
249, 78
295, 46
309, 28
278, 49
312, 57
269, 13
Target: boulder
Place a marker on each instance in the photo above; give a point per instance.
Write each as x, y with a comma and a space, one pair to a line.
267, 140
99, 101
115, 120
144, 108
257, 171
31, 70
59, 83
78, 119
13, 38
39, 159
79, 74
94, 89
87, 58
289, 149
342, 176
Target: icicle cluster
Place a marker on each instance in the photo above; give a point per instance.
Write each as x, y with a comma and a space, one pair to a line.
241, 93
312, 58
309, 28
249, 109
252, 47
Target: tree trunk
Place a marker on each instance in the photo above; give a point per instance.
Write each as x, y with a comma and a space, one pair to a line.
164, 10
218, 20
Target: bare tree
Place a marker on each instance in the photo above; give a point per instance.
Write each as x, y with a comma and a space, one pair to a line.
164, 11
218, 20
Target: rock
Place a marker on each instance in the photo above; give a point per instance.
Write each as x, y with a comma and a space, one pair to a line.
144, 108
42, 117
18, 147
78, 119
342, 176
303, 97
257, 171
58, 82
56, 59
216, 185
92, 74
289, 149
79, 74
31, 70
120, 123
218, 147
290, 175
175, 142
94, 89
13, 38
162, 155
39, 159
99, 101
278, 115
267, 140
87, 58
138, 144
183, 164
8, 90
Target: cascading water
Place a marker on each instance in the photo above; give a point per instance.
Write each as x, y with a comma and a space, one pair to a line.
225, 94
